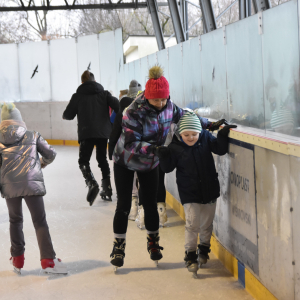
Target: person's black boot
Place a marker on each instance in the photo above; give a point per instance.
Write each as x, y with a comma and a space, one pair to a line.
106, 192
91, 184
191, 261
203, 254
118, 253
153, 247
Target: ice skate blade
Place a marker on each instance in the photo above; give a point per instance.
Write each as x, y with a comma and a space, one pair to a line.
52, 271
195, 276
17, 271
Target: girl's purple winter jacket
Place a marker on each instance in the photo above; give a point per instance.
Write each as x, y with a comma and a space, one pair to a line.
144, 128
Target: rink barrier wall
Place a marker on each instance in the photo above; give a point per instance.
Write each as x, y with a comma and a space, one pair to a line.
252, 285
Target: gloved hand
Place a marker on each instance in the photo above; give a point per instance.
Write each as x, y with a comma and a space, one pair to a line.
215, 125
43, 164
225, 130
162, 151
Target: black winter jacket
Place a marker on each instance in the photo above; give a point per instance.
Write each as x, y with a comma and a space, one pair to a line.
196, 175
117, 127
91, 105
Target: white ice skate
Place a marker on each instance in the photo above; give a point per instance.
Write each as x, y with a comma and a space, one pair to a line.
134, 208
140, 218
54, 266
18, 263
162, 212
16, 270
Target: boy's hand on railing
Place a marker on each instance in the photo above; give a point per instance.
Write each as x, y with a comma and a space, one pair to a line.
215, 125
225, 130
162, 151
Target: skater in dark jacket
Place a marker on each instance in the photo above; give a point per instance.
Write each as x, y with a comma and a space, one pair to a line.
91, 105
191, 154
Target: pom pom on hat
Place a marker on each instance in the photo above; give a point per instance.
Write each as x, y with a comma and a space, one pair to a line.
157, 86
189, 122
10, 112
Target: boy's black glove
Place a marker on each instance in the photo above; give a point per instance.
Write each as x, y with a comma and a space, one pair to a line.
215, 125
225, 130
162, 151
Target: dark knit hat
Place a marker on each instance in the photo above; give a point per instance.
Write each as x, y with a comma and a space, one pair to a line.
157, 86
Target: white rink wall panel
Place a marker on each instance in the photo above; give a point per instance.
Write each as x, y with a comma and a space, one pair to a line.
35, 86
192, 81
213, 72
274, 222
9, 73
246, 102
108, 71
295, 211
88, 55
37, 116
62, 129
281, 68
64, 70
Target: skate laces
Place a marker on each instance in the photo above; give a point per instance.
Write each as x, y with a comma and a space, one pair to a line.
153, 245
118, 250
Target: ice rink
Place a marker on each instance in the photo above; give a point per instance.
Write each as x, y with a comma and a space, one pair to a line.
82, 238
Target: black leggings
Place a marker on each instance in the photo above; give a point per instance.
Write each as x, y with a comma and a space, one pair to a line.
148, 182
85, 152
161, 192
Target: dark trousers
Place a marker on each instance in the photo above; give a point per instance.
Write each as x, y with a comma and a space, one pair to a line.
85, 152
161, 191
36, 207
148, 182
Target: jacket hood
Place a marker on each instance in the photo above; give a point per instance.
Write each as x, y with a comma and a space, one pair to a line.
125, 102
12, 131
90, 88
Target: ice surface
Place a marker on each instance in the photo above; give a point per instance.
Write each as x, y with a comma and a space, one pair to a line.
82, 238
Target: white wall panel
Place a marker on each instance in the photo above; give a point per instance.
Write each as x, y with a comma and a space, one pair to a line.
37, 117
31, 55
192, 80
9, 73
108, 71
213, 68
62, 129
88, 54
245, 73
274, 222
64, 71
176, 75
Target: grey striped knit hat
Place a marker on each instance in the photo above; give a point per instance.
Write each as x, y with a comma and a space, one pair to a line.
189, 122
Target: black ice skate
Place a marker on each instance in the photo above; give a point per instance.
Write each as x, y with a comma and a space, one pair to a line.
106, 192
154, 248
191, 262
118, 253
91, 184
203, 254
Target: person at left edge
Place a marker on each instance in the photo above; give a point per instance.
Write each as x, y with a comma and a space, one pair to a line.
91, 105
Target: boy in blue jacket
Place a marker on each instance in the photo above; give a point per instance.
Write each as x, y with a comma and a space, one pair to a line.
197, 180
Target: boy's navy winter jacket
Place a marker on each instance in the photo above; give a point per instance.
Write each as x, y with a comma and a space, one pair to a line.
196, 174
